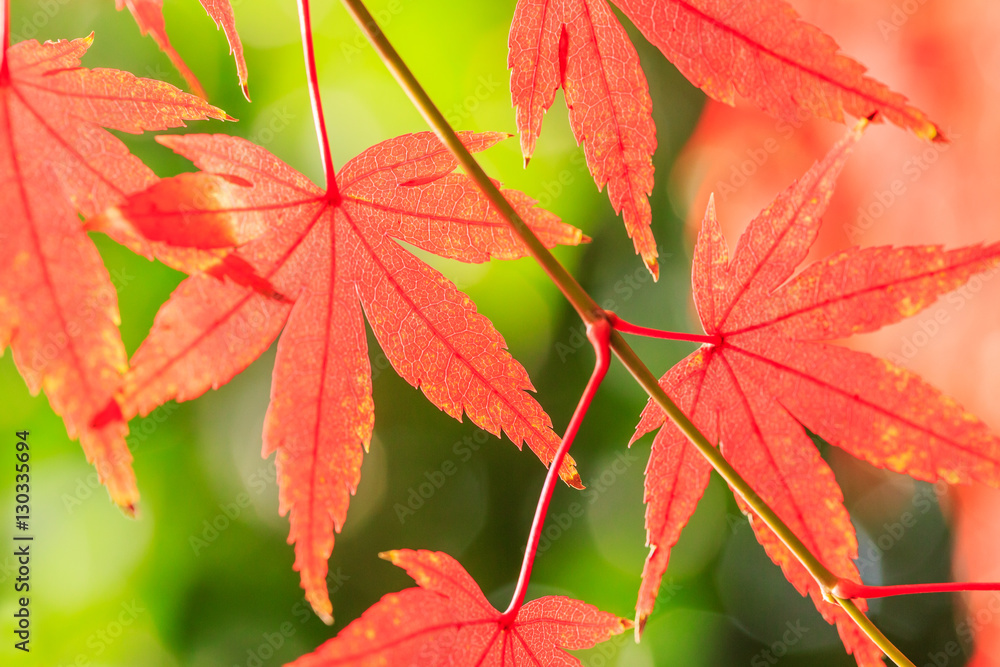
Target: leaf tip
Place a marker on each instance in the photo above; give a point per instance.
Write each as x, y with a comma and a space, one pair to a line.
319, 600
935, 135
862, 125
639, 625
652, 264
246, 90
572, 476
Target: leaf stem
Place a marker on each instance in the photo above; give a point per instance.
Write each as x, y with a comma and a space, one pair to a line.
851, 590
591, 314
627, 327
5, 43
599, 334
305, 24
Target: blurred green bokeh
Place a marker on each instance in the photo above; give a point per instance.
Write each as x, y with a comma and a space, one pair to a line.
198, 580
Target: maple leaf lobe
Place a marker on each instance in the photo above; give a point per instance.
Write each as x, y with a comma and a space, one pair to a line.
767, 53
148, 15
762, 50
580, 46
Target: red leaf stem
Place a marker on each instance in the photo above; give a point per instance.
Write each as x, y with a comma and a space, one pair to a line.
599, 334
627, 327
850, 590
5, 42
305, 23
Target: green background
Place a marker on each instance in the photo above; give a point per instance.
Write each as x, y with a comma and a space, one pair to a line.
172, 589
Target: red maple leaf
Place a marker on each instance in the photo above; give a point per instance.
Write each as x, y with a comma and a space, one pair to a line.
327, 254
59, 308
942, 199
760, 49
149, 15
448, 621
769, 374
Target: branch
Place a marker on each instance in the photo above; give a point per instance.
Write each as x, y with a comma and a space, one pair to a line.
874, 633
591, 314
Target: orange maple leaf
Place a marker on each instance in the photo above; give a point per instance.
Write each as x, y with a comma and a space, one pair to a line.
448, 621
59, 308
769, 374
760, 49
327, 254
